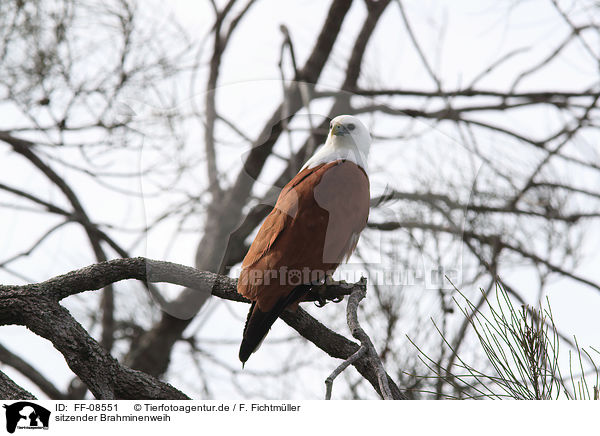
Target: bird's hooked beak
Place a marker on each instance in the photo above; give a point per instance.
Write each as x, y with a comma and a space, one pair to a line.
339, 130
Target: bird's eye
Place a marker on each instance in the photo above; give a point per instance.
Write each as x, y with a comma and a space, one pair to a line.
351, 126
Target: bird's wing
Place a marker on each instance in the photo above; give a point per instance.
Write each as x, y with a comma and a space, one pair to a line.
284, 211
311, 228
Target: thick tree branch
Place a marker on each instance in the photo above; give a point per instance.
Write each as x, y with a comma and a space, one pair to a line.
36, 306
9, 390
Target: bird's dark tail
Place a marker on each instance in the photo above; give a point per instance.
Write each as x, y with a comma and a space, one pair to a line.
258, 323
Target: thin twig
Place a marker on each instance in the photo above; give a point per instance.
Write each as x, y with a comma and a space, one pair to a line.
345, 364
366, 346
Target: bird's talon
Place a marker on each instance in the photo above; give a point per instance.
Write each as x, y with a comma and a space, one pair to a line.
320, 294
320, 302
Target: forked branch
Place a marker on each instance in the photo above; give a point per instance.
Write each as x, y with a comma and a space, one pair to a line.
37, 307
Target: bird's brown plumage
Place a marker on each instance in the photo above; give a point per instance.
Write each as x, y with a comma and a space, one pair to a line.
314, 225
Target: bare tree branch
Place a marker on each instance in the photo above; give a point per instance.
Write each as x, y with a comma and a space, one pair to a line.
9, 390
106, 378
366, 348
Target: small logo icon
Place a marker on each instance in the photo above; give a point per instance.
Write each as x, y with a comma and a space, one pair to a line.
26, 415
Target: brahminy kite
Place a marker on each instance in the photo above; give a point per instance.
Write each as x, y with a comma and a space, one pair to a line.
313, 227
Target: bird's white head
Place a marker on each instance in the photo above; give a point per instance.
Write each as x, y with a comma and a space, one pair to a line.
348, 139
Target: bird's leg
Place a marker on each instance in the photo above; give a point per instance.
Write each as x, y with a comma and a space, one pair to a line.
319, 291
